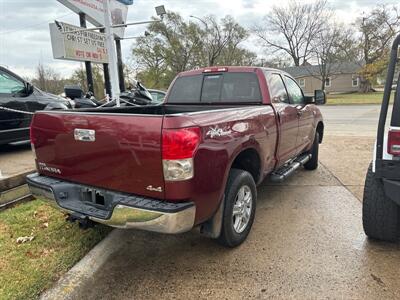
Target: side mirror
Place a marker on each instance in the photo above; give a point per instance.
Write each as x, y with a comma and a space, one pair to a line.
320, 97
28, 88
22, 92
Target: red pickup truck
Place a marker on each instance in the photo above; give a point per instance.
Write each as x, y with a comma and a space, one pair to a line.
193, 161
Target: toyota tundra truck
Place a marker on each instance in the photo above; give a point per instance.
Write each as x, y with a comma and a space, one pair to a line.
194, 161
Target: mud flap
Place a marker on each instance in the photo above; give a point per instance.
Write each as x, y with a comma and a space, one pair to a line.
212, 228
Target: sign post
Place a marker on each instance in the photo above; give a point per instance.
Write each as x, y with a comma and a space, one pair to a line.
88, 65
111, 53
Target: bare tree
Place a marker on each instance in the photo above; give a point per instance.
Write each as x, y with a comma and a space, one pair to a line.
328, 52
220, 36
41, 76
291, 29
47, 79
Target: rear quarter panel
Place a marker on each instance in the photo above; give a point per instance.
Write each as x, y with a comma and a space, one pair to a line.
239, 128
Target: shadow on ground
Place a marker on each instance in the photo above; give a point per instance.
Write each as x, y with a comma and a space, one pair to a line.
307, 242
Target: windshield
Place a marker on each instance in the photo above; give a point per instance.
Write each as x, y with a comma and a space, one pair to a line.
216, 88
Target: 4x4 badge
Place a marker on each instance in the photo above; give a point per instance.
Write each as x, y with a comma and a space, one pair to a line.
153, 189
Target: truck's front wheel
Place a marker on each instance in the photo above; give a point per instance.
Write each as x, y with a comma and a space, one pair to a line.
239, 209
381, 216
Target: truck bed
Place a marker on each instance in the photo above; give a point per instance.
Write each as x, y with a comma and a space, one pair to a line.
159, 109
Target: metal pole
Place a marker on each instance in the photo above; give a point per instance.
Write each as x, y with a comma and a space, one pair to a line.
111, 53
120, 65
88, 65
107, 83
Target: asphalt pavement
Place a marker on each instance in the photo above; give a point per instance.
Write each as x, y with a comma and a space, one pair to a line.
351, 120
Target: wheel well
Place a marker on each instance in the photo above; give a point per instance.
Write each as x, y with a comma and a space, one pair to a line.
249, 161
320, 130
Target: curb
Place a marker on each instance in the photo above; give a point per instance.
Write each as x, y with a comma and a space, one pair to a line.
71, 283
14, 190
8, 183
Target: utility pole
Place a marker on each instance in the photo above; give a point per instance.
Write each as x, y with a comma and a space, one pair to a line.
115, 91
120, 65
88, 65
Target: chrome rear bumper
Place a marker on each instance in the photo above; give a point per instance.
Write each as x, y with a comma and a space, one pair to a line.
121, 210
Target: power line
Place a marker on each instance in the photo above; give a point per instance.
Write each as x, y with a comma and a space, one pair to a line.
34, 25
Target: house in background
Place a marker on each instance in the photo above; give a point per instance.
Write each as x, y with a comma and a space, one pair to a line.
343, 78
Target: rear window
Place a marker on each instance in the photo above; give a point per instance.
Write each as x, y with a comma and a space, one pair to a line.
216, 88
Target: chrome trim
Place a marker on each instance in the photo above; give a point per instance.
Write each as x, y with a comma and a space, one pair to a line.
131, 217
128, 217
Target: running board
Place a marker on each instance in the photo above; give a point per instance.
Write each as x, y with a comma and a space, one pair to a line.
287, 170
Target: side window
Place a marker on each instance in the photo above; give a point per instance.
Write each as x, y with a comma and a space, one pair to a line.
9, 84
277, 89
294, 91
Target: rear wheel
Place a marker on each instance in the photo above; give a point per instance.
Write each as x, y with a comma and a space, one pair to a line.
239, 209
312, 164
381, 216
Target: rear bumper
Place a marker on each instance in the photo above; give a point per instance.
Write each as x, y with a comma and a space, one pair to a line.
119, 210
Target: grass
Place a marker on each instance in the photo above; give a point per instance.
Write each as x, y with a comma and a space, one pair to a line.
355, 98
27, 269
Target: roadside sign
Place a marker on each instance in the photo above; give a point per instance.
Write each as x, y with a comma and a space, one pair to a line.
77, 46
94, 11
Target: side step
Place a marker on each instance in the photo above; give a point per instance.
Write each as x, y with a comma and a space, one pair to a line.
287, 170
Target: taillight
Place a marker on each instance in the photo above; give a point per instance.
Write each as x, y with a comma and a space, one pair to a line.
178, 149
394, 142
180, 143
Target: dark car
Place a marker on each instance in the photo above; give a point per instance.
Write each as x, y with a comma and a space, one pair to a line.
18, 100
157, 95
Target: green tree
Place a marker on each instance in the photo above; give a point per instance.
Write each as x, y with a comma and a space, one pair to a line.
79, 77
378, 29
176, 45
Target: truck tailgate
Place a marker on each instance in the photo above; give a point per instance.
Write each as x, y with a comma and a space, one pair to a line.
124, 154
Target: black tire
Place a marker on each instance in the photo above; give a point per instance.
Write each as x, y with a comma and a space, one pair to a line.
312, 164
381, 216
237, 179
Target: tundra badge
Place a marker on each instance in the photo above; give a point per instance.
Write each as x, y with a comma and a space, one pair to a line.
43, 167
85, 135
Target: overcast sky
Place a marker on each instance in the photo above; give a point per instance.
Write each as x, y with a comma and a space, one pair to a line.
25, 37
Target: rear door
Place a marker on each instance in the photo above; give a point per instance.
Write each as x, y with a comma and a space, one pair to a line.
304, 113
287, 118
120, 152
